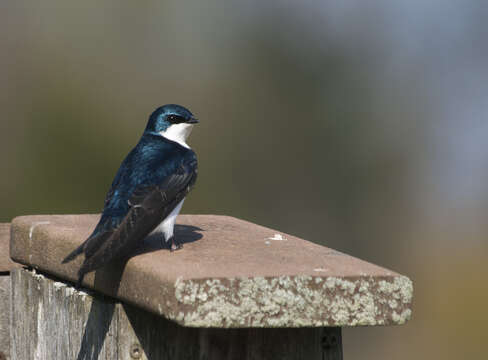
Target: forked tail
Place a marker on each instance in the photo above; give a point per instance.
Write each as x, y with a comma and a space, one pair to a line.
73, 254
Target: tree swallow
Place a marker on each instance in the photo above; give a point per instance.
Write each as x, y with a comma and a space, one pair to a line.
147, 192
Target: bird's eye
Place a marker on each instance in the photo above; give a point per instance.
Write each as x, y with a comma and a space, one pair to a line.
175, 119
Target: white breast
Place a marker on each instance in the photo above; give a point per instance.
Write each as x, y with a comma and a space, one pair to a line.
167, 225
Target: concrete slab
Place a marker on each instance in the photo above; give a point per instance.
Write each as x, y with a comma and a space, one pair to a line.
6, 264
230, 274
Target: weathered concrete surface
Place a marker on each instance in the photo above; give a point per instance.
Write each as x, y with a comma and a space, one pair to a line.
230, 273
55, 321
6, 264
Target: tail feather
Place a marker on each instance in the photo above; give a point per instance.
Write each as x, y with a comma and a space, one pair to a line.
81, 276
89, 246
73, 254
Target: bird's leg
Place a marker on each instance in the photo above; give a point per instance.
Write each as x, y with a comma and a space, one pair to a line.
175, 245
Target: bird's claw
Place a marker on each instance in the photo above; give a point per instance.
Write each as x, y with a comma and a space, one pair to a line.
175, 246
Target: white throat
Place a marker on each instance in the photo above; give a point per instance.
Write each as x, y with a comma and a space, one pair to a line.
178, 133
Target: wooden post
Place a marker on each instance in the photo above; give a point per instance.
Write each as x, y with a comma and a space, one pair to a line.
4, 316
6, 265
236, 291
52, 320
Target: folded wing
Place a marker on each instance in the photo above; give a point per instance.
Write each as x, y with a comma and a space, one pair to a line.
149, 204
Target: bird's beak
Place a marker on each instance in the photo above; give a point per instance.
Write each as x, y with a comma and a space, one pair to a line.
192, 121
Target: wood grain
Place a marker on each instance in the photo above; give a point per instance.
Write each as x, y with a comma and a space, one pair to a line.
4, 316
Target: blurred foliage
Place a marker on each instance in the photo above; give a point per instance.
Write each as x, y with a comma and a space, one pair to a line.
336, 123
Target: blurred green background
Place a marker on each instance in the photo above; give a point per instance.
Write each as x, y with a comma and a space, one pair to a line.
358, 125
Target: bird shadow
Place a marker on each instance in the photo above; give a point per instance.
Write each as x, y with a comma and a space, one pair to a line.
101, 321
183, 233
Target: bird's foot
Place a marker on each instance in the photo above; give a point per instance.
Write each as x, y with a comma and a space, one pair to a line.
175, 245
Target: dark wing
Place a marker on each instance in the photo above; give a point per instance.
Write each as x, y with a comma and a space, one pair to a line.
149, 205
105, 226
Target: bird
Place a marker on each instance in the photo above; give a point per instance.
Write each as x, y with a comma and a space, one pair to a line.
147, 192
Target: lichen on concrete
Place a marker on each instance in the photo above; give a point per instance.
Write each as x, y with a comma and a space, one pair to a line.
284, 301
292, 301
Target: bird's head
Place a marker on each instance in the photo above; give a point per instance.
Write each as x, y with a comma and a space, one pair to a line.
172, 121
